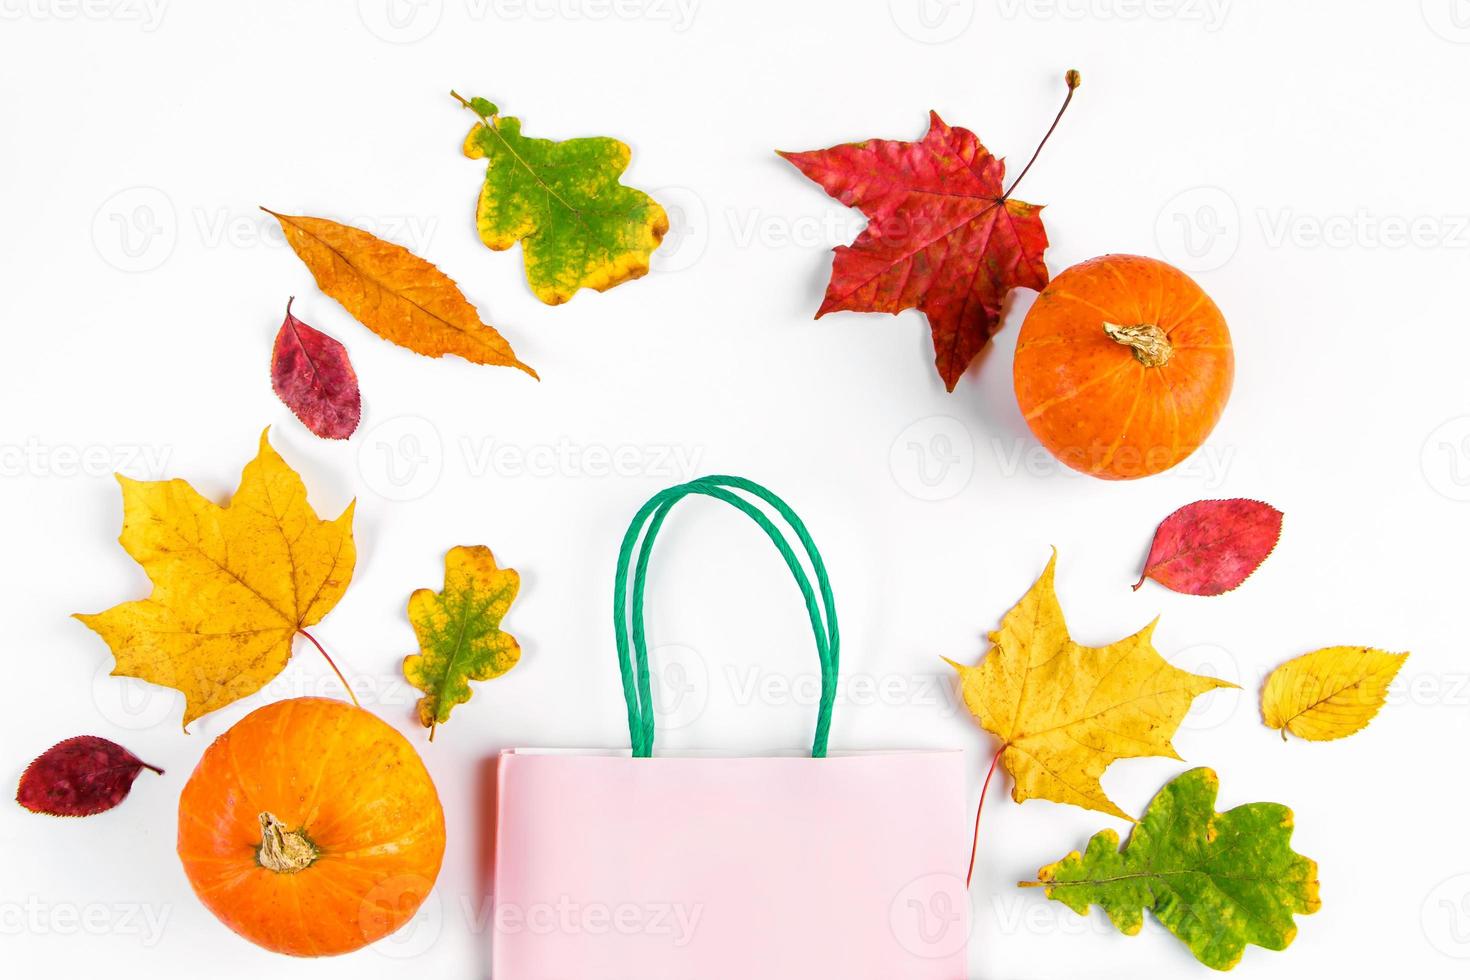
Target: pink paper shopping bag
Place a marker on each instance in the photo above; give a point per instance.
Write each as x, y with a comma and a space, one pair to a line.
611, 867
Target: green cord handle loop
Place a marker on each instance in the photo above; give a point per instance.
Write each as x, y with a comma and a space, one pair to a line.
637, 688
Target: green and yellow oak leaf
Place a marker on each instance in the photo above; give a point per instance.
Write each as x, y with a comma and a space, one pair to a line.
232, 585
459, 634
1064, 712
578, 225
1218, 881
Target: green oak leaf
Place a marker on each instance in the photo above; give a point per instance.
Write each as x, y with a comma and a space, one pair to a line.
1218, 881
577, 224
459, 634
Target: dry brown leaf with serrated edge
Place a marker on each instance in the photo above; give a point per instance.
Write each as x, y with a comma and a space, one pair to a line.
1064, 712
394, 293
1330, 693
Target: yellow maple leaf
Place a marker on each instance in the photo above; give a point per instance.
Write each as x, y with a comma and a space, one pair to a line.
232, 585
1063, 712
1329, 693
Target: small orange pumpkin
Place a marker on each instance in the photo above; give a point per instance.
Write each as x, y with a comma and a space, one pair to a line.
1123, 366
311, 828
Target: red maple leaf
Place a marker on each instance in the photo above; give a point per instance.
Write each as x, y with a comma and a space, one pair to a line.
943, 234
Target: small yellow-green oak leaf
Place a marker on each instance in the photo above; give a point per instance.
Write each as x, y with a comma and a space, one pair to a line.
459, 634
232, 585
577, 224
1218, 881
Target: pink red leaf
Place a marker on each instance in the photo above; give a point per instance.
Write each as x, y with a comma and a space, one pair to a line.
312, 375
79, 777
942, 236
1211, 546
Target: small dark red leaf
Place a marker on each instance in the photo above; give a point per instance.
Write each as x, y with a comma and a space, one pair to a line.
312, 375
1211, 546
79, 777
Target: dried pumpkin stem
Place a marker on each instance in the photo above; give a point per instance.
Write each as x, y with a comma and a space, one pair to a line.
283, 851
1149, 342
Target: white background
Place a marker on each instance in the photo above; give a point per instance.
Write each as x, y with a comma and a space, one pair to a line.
1278, 151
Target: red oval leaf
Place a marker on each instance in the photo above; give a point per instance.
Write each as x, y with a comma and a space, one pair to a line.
1211, 546
79, 777
312, 375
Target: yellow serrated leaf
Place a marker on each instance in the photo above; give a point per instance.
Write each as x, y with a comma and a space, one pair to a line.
232, 585
1064, 712
1329, 693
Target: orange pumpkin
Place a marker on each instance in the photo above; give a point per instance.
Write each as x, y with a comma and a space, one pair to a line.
1123, 366
311, 827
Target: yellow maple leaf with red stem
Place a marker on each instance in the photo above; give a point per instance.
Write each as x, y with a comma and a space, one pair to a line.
1064, 712
232, 584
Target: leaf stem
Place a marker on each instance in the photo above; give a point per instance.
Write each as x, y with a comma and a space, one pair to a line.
471, 106
979, 809
1074, 79
332, 664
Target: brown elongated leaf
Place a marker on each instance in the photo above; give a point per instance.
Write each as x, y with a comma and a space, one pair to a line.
394, 293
